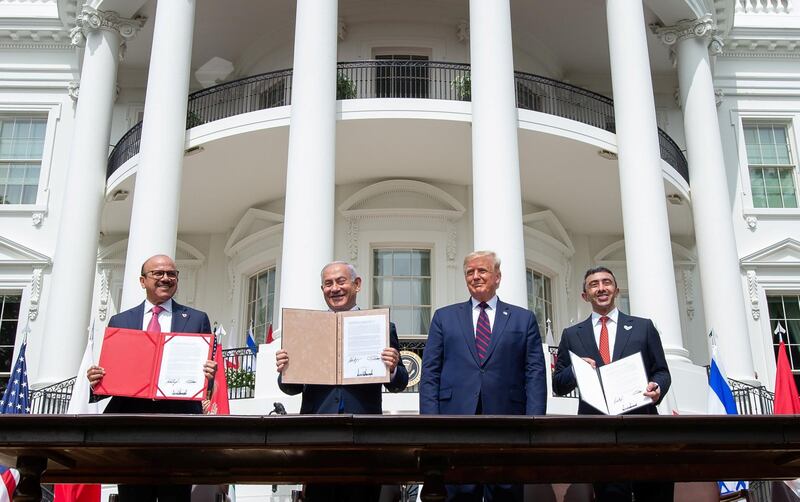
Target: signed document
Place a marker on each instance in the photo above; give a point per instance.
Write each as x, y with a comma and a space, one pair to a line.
614, 388
363, 340
181, 372
335, 348
154, 365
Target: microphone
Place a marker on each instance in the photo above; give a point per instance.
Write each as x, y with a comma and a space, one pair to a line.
278, 409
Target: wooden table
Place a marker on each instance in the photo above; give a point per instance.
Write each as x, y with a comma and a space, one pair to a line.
392, 449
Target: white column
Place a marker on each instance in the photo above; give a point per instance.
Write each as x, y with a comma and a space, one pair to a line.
720, 276
157, 193
310, 174
496, 192
648, 250
70, 298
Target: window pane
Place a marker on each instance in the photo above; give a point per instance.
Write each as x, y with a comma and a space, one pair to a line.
425, 291
775, 304
792, 307
750, 135
383, 263
401, 316
401, 292
11, 306
402, 263
789, 199
381, 292
754, 154
793, 333
6, 353
8, 332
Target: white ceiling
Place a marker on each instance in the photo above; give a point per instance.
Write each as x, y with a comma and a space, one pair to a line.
570, 32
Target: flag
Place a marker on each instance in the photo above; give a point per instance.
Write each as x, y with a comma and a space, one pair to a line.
219, 394
10, 480
786, 400
720, 396
721, 402
549, 339
269, 338
76, 493
251, 343
15, 401
232, 363
16, 398
79, 405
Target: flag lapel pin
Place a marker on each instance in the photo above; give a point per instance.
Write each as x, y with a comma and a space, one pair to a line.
627, 327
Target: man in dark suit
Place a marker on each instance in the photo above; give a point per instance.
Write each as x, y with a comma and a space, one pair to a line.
340, 287
608, 335
159, 312
483, 357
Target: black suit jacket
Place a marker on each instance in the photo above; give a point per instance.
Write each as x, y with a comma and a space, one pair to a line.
184, 320
634, 334
363, 399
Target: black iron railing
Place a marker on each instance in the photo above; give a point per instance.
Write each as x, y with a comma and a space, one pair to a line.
53, 399
751, 399
396, 79
240, 372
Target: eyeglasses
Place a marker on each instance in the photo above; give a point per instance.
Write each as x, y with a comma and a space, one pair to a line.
160, 274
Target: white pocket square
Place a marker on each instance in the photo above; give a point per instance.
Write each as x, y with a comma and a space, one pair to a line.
628, 328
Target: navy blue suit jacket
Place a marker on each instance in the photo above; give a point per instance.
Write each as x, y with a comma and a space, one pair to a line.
361, 399
510, 381
184, 320
642, 336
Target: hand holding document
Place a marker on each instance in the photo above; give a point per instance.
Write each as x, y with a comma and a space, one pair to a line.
335, 348
154, 365
614, 388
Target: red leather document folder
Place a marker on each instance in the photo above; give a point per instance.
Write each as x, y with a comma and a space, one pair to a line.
133, 363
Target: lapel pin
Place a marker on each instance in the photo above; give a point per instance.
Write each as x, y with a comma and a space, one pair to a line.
184, 315
628, 328
505, 312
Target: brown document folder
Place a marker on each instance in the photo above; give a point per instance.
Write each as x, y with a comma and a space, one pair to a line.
314, 341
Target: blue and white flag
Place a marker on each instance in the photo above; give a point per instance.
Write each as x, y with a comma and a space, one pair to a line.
16, 397
721, 402
720, 396
251, 342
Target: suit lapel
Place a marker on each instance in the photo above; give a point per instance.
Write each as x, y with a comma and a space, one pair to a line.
467, 329
623, 335
136, 317
501, 316
586, 336
179, 317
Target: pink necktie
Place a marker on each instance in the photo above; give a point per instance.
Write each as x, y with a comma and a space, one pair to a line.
154, 326
604, 352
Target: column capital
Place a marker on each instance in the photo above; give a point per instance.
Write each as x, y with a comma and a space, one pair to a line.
703, 27
90, 19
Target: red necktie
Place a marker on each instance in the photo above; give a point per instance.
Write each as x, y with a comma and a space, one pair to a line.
483, 332
154, 326
604, 352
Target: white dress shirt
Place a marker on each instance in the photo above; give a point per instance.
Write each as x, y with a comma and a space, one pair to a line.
164, 318
491, 310
611, 326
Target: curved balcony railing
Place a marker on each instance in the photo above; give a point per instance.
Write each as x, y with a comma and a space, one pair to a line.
396, 79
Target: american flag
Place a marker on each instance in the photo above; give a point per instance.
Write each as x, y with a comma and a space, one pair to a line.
16, 398
10, 479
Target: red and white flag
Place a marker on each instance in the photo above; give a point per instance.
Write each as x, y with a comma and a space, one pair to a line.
10, 480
